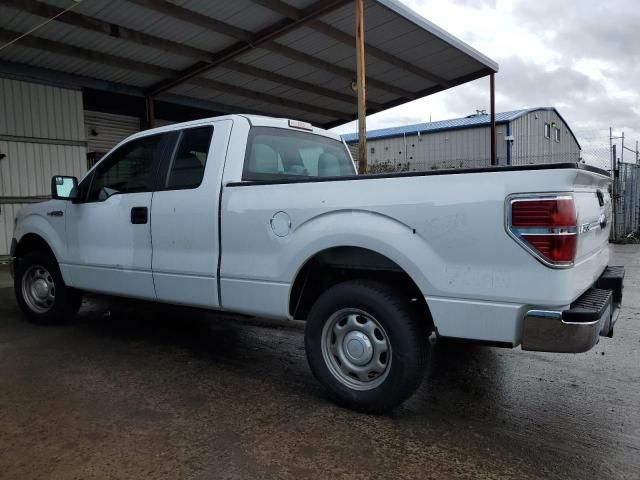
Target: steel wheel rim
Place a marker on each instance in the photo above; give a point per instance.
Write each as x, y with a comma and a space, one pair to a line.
38, 289
356, 349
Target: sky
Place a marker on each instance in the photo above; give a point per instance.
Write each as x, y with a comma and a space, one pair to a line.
580, 56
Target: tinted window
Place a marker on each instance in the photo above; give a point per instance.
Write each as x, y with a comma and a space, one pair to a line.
274, 153
187, 168
129, 169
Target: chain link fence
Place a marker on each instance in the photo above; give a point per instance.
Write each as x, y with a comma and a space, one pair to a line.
626, 202
413, 165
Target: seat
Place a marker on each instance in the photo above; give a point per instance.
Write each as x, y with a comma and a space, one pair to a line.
263, 159
187, 171
328, 165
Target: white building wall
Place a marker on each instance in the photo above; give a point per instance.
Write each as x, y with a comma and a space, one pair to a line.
106, 130
469, 147
41, 135
531, 146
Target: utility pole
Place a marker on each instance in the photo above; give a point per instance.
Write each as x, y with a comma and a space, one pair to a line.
361, 87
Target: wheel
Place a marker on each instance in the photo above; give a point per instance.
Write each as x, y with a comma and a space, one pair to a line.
41, 292
366, 345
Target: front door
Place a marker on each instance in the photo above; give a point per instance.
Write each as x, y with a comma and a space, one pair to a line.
108, 232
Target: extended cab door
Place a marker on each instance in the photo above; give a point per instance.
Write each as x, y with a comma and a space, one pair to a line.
108, 231
184, 217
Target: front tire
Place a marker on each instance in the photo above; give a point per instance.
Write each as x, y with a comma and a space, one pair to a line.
366, 345
40, 290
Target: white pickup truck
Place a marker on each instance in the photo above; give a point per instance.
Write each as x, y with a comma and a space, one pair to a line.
267, 217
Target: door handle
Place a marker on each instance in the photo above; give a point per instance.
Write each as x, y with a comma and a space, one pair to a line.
139, 215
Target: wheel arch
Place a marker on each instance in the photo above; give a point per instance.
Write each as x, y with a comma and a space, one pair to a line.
31, 242
34, 230
337, 264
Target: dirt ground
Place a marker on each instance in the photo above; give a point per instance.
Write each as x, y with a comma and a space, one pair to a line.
131, 390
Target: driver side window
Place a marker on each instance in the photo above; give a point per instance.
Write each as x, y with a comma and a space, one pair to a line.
129, 169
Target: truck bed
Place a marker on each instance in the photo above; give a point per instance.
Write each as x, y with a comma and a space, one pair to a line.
450, 171
445, 228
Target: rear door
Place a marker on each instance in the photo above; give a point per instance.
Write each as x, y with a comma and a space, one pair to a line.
184, 217
108, 232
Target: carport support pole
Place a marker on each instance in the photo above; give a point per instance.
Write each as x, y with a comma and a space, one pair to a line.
361, 88
492, 88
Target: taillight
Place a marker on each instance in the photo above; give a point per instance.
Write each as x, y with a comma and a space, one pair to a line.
546, 227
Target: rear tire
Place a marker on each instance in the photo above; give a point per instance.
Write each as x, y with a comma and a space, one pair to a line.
367, 346
40, 290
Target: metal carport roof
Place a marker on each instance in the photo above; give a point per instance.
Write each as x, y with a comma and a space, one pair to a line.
291, 59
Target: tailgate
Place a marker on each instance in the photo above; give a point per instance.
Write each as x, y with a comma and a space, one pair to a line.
594, 211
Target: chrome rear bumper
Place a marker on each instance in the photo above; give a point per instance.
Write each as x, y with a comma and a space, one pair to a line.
547, 331
578, 329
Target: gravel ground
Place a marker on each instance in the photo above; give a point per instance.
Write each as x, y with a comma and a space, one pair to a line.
132, 390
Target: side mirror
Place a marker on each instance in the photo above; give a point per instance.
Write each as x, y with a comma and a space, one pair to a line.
64, 188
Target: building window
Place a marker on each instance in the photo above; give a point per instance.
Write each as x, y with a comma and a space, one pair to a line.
547, 130
373, 150
557, 134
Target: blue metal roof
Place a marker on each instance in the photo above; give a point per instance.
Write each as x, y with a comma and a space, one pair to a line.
444, 125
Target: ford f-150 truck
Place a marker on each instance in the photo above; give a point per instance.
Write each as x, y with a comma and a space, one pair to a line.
267, 217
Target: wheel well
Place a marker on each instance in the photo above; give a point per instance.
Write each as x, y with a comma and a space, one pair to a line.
340, 264
30, 243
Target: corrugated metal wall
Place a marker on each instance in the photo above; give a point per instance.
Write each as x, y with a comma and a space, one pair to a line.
448, 149
41, 111
105, 130
160, 122
470, 147
531, 146
41, 134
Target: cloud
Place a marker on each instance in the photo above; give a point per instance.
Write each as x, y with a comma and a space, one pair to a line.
580, 57
476, 3
588, 29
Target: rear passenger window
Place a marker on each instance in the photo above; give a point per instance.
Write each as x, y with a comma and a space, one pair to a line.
190, 159
274, 153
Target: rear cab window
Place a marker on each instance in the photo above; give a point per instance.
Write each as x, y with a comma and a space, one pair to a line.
278, 153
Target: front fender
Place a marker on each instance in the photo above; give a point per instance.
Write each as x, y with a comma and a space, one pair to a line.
32, 220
